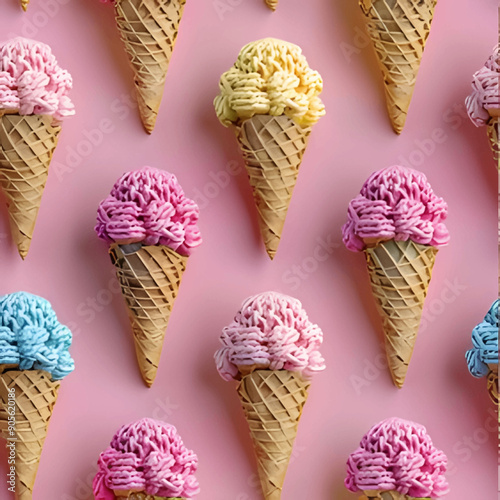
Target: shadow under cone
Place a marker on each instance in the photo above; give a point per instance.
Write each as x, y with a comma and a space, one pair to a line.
272, 147
399, 30
27, 144
149, 277
35, 397
400, 273
273, 402
149, 30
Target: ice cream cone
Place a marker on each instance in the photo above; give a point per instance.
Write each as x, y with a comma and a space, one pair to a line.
149, 277
400, 272
399, 30
26, 147
387, 495
273, 403
494, 134
493, 384
272, 4
272, 147
149, 29
140, 495
35, 397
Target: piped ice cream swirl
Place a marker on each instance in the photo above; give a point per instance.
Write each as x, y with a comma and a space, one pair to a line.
270, 77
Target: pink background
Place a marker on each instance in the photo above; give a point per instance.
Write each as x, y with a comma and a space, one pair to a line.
69, 266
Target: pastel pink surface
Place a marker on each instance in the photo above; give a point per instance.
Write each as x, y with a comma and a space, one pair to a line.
69, 266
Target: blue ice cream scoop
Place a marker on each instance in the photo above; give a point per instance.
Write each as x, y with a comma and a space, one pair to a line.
485, 342
32, 338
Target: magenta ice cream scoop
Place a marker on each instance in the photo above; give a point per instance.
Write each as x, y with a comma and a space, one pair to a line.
396, 203
147, 456
398, 455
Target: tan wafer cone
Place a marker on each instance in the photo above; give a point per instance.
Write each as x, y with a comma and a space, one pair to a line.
387, 495
272, 4
400, 272
24, 4
35, 397
399, 30
149, 277
272, 147
493, 128
493, 386
26, 147
140, 495
273, 403
149, 29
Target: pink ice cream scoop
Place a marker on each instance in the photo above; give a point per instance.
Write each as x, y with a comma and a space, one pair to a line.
31, 81
149, 206
396, 203
147, 456
271, 331
485, 95
398, 455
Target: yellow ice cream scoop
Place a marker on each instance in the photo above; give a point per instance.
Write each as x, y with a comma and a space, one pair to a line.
270, 77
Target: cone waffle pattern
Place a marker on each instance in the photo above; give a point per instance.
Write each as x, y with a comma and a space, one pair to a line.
149, 30
141, 496
272, 147
272, 4
273, 403
149, 278
386, 495
494, 137
400, 272
35, 397
26, 147
493, 387
399, 30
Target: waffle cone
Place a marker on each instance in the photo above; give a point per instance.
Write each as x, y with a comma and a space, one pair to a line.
493, 387
400, 272
140, 495
387, 495
493, 129
26, 147
272, 147
399, 30
24, 4
35, 397
149, 277
149, 30
272, 4
273, 403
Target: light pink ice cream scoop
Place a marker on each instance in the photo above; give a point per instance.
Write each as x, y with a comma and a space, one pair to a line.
32, 82
485, 97
398, 455
149, 206
396, 203
271, 331
147, 456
